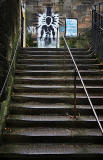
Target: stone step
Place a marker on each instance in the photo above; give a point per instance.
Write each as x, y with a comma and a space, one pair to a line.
52, 135
50, 56
47, 50
57, 80
56, 89
52, 151
59, 98
53, 121
57, 73
56, 61
52, 49
57, 67
40, 122
74, 53
61, 109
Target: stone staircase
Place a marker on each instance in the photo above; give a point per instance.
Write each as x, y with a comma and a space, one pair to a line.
40, 123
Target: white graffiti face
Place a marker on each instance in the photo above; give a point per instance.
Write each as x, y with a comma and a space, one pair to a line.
48, 24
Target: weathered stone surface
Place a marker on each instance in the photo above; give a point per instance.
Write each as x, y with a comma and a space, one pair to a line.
80, 9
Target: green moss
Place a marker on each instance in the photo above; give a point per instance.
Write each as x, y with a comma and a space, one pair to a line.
82, 41
4, 109
9, 31
29, 41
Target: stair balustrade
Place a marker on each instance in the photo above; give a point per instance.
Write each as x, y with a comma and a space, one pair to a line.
10, 68
76, 71
97, 29
19, 42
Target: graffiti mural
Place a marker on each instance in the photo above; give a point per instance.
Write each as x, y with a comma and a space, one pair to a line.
48, 24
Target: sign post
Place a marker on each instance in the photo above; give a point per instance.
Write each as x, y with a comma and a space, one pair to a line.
71, 27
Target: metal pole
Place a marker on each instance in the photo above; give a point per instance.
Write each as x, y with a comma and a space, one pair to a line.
24, 25
22, 21
75, 100
99, 7
94, 24
57, 39
64, 54
95, 7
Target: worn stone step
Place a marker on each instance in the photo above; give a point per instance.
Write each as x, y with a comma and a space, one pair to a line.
52, 151
61, 109
56, 89
55, 51
57, 73
57, 67
56, 61
52, 135
51, 49
57, 80
40, 122
59, 53
94, 77
50, 56
53, 121
57, 98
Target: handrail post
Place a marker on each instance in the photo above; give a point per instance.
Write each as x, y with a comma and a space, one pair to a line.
22, 27
99, 8
64, 55
75, 98
57, 39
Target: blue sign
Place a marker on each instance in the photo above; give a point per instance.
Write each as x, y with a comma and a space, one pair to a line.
62, 28
71, 27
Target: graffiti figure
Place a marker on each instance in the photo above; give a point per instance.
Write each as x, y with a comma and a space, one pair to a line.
48, 28
48, 23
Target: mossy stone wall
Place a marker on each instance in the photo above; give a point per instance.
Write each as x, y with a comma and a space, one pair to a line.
9, 31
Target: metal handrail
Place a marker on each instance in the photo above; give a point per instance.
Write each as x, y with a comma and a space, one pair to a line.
20, 38
99, 3
10, 68
91, 104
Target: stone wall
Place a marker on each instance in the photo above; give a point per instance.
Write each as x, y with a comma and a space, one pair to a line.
9, 28
80, 9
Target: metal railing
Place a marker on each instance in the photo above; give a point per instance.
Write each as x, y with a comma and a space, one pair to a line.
10, 68
22, 27
20, 39
76, 70
98, 7
97, 29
